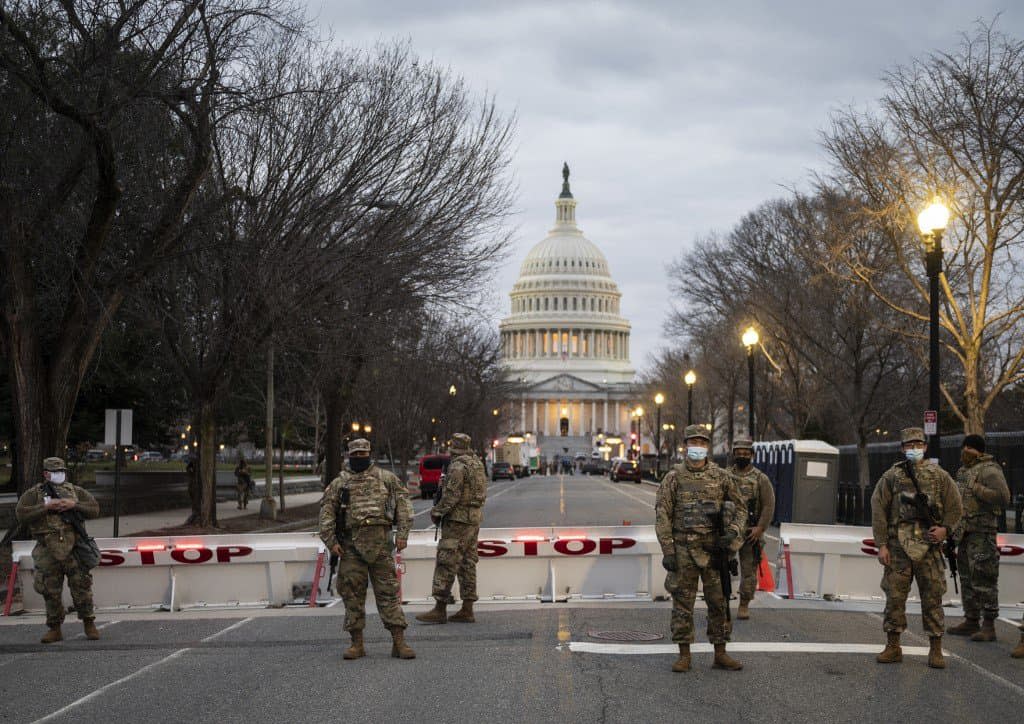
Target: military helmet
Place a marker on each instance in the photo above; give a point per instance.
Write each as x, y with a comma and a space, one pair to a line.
912, 434
461, 443
696, 431
54, 465
743, 443
360, 444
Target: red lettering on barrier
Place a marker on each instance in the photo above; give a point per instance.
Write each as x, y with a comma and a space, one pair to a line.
585, 546
491, 548
869, 547
1008, 549
147, 557
610, 544
529, 545
110, 558
226, 553
204, 554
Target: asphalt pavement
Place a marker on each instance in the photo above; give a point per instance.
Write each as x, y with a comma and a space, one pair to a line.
521, 662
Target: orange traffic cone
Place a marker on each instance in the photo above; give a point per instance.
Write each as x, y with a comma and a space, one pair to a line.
765, 580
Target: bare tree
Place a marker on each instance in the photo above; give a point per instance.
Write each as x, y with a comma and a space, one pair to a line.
951, 125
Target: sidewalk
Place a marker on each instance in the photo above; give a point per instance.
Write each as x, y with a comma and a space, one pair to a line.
129, 524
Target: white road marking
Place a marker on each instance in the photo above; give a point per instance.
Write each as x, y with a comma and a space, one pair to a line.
1015, 624
773, 647
98, 628
628, 495
489, 498
103, 689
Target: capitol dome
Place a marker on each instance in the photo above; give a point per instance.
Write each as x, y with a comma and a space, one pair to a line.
565, 308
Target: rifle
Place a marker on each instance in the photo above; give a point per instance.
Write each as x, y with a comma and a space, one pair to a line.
85, 551
339, 525
723, 560
757, 547
438, 494
926, 513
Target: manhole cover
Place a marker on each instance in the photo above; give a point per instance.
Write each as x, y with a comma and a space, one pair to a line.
625, 635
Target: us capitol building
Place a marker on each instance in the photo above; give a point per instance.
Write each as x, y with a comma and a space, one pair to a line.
567, 345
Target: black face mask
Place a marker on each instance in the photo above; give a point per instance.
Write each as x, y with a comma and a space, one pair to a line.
741, 462
358, 465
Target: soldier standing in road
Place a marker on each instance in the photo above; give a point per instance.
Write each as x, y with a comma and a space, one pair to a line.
356, 516
909, 536
984, 493
53, 555
691, 495
459, 513
756, 489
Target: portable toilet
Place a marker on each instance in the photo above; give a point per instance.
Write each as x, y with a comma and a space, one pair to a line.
805, 475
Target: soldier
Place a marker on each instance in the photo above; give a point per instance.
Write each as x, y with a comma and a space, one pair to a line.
41, 512
909, 532
692, 495
1018, 652
984, 493
757, 490
359, 508
459, 513
243, 483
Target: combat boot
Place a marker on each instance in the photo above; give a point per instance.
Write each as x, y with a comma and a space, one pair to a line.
400, 649
683, 662
892, 653
743, 612
53, 635
438, 614
91, 632
987, 632
935, 659
465, 614
1018, 653
356, 650
724, 661
965, 628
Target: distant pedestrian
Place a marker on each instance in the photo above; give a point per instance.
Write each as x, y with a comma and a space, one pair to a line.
47, 510
914, 508
244, 484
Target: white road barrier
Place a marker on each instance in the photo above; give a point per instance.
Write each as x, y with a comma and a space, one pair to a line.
840, 561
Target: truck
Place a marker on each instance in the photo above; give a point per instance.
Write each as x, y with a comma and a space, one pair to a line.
516, 454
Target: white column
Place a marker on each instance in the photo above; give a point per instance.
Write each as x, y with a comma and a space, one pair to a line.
522, 416
593, 416
618, 428
534, 428
605, 425
546, 405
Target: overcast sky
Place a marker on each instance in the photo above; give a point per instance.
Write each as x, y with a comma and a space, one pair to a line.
676, 118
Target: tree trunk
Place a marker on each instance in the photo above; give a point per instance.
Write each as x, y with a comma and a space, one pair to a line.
268, 447
863, 460
206, 467
332, 438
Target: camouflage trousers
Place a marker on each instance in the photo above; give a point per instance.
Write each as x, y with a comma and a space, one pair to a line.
930, 575
243, 494
368, 560
456, 557
682, 584
978, 563
748, 572
49, 583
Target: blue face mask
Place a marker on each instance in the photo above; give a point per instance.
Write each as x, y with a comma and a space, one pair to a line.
914, 455
696, 453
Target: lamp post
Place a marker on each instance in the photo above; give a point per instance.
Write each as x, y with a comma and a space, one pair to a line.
639, 412
750, 339
932, 222
690, 378
659, 400
451, 393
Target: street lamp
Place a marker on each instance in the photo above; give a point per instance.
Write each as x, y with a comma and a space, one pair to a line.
932, 222
750, 339
659, 399
690, 378
639, 413
355, 427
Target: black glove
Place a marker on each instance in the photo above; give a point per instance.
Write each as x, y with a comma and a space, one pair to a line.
669, 563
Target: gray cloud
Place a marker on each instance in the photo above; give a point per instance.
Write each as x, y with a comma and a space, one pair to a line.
676, 117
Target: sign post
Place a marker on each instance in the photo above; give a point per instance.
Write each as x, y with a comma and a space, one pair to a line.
931, 426
118, 433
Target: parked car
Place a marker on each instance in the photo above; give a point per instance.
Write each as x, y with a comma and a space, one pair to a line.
150, 456
96, 455
626, 470
430, 471
594, 466
502, 470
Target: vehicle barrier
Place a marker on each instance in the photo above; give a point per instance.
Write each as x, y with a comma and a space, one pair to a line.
840, 561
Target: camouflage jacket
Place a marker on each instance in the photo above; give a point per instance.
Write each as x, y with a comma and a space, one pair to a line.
688, 500
984, 493
757, 490
890, 509
464, 491
48, 527
375, 497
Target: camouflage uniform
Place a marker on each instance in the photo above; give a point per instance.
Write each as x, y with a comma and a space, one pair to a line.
377, 499
461, 511
913, 557
984, 492
243, 484
684, 529
756, 489
55, 541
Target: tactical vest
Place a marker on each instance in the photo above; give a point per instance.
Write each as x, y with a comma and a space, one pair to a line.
979, 517
699, 495
750, 488
52, 522
369, 502
902, 509
474, 489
